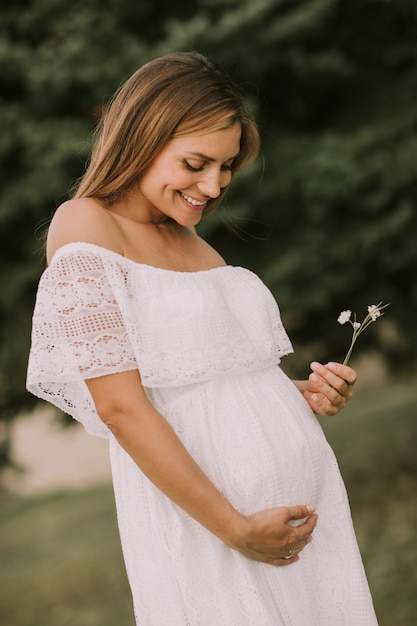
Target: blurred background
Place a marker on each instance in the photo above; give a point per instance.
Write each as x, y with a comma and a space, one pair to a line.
327, 216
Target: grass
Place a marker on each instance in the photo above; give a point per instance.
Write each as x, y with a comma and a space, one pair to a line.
61, 563
60, 556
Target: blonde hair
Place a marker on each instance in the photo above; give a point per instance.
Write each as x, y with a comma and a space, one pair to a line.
172, 96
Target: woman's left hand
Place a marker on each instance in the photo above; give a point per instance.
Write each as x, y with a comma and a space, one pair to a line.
329, 387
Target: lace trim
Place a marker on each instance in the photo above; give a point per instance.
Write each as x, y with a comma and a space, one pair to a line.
98, 313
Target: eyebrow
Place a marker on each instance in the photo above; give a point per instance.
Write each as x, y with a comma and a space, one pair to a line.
204, 157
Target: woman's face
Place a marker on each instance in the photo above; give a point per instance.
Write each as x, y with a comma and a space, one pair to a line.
188, 173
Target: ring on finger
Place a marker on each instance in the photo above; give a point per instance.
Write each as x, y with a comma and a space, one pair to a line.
289, 555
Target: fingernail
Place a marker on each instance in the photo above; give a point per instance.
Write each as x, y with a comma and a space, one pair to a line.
311, 508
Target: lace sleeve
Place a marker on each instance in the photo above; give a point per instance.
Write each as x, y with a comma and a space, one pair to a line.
78, 332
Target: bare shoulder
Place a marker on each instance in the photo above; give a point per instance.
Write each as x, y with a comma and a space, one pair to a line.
82, 219
207, 255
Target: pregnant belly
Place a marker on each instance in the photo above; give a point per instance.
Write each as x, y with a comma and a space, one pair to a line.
253, 435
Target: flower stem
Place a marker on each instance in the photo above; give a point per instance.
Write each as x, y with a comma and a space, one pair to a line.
349, 352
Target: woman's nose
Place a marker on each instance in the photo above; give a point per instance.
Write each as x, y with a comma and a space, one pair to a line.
210, 184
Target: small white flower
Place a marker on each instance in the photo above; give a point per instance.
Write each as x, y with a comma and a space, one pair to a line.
344, 317
374, 311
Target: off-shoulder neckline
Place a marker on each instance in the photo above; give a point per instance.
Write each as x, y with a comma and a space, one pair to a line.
107, 251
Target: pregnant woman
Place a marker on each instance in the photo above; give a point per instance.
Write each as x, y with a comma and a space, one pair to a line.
230, 504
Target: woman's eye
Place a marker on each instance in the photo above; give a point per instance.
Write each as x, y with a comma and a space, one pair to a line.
192, 168
200, 168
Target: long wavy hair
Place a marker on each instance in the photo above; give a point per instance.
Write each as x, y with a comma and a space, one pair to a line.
172, 96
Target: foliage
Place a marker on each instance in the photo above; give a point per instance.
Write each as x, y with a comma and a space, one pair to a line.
328, 211
336, 202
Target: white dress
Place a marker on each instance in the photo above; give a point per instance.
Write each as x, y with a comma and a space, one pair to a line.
207, 345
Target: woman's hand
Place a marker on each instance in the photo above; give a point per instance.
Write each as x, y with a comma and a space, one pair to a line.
268, 536
329, 387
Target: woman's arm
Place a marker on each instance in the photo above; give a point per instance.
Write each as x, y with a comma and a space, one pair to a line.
328, 388
143, 432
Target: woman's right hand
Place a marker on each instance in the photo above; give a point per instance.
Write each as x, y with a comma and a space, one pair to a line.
268, 536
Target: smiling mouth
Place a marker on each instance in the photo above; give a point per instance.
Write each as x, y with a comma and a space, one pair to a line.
193, 201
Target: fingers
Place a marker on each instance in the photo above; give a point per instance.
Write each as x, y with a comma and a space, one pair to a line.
335, 374
293, 554
279, 556
330, 387
326, 403
344, 372
321, 405
287, 560
271, 539
299, 511
303, 533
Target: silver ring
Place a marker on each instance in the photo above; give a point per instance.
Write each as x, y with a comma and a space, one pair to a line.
290, 553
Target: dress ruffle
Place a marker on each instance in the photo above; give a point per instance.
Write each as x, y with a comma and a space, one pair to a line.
98, 313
